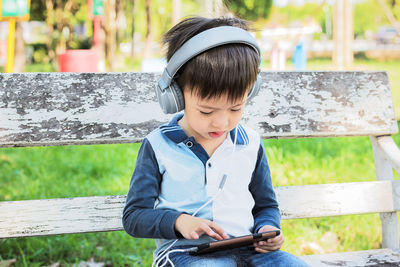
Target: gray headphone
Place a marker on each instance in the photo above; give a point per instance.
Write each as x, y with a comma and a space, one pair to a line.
169, 94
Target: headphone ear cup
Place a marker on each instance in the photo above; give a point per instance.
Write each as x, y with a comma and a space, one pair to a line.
171, 99
178, 96
255, 89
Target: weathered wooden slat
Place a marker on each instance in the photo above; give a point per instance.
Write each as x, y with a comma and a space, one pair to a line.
335, 199
383, 150
371, 258
390, 150
93, 214
97, 108
60, 216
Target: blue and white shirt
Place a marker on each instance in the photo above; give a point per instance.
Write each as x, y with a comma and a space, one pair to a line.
174, 175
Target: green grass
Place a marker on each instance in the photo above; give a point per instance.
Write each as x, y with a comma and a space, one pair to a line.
51, 172
320, 161
40, 67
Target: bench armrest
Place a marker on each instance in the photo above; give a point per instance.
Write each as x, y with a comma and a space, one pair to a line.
390, 150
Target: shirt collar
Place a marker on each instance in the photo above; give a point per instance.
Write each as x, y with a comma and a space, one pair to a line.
242, 138
175, 132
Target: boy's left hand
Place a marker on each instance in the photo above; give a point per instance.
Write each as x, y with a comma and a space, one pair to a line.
271, 244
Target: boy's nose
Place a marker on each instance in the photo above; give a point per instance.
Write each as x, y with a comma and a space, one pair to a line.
221, 122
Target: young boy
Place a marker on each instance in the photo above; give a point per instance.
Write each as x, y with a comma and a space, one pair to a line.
203, 176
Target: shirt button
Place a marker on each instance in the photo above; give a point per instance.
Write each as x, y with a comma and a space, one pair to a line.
209, 165
189, 144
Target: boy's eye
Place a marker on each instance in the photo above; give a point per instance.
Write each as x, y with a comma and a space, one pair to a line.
236, 109
205, 113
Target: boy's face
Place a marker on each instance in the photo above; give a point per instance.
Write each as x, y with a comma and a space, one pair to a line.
209, 120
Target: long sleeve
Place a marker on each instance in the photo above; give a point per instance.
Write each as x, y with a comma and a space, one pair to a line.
265, 210
140, 219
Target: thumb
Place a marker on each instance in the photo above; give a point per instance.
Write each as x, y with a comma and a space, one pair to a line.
194, 235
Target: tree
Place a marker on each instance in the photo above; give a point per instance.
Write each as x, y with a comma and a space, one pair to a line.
250, 9
176, 11
389, 14
375, 19
61, 16
36, 10
110, 31
147, 45
19, 59
134, 7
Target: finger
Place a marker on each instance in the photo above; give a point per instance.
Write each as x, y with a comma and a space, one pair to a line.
263, 243
270, 245
278, 239
261, 250
194, 235
269, 249
218, 229
270, 242
208, 231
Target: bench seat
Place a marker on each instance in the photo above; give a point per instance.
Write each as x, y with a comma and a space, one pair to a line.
104, 213
375, 257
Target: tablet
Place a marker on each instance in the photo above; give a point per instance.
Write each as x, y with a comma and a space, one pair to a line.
234, 242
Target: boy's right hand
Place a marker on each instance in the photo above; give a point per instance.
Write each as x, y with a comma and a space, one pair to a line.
192, 228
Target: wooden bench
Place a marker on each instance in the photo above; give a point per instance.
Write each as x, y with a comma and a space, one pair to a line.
52, 109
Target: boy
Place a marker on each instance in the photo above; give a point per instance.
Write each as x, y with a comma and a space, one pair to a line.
203, 176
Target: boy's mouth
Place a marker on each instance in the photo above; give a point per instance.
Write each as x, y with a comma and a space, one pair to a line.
216, 134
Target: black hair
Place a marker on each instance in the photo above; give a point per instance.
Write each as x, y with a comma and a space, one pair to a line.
228, 69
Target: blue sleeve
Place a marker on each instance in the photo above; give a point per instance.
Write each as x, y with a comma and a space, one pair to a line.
265, 210
139, 218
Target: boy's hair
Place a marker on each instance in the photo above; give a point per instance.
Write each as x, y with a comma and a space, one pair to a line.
228, 69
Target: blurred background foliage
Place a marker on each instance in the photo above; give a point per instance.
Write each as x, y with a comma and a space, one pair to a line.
69, 25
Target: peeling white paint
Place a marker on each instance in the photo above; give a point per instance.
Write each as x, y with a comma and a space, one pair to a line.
373, 258
79, 107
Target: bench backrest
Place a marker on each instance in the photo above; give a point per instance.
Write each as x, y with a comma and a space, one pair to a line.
42, 109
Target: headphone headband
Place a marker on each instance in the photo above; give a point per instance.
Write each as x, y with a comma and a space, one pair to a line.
202, 42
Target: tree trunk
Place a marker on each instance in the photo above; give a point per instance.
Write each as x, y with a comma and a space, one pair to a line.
343, 34
176, 11
68, 9
134, 5
49, 22
119, 8
109, 28
19, 60
214, 8
61, 45
147, 45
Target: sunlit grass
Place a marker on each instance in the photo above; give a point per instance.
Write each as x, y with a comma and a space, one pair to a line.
321, 161
52, 172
